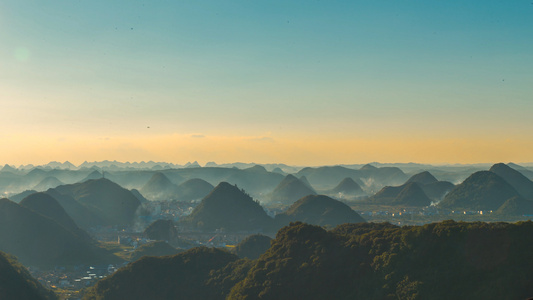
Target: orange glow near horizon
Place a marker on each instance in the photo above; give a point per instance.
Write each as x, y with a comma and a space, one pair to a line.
311, 150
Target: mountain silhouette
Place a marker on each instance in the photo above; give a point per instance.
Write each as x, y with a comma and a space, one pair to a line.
194, 189
437, 190
230, 208
304, 180
17, 283
18, 197
38, 240
289, 190
47, 206
516, 206
347, 188
483, 190
34, 177
252, 246
114, 204
412, 195
423, 178
161, 230
409, 194
158, 248
8, 169
49, 182
92, 176
165, 230
193, 274
159, 187
445, 260
526, 172
319, 210
85, 216
139, 196
517, 180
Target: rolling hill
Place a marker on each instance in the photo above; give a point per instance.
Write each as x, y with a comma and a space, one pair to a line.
409, 194
47, 206
115, 205
159, 187
194, 274
17, 283
194, 189
346, 189
230, 208
319, 210
483, 190
446, 260
49, 182
158, 248
519, 182
38, 240
289, 190
253, 246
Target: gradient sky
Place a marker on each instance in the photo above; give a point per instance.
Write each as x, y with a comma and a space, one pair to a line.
297, 82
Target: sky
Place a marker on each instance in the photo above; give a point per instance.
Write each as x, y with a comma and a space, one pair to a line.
296, 82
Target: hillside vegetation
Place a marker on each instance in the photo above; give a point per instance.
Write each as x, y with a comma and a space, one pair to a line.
447, 260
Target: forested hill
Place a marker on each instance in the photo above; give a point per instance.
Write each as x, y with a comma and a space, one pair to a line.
17, 283
446, 260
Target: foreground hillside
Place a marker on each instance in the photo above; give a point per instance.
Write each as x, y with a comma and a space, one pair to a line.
17, 283
40, 240
447, 260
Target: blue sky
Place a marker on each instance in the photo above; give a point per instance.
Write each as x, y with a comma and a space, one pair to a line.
346, 69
